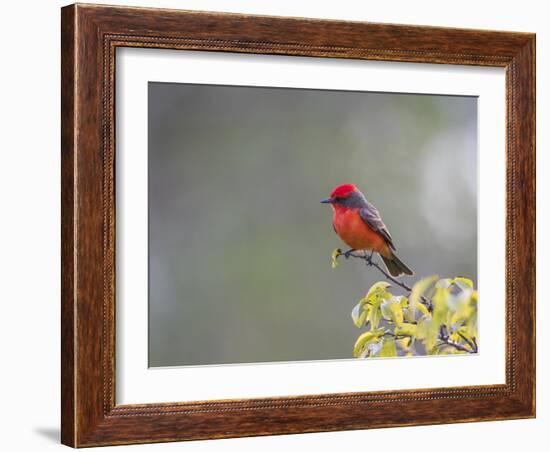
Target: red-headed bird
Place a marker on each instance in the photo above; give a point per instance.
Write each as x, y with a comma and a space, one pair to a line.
358, 223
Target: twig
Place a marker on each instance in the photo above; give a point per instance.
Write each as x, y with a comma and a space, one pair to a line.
444, 338
456, 345
471, 343
370, 263
396, 336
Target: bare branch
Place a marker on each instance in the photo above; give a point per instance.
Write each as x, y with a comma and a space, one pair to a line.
370, 263
471, 343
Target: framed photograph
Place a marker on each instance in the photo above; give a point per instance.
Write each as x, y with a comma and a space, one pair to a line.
280, 225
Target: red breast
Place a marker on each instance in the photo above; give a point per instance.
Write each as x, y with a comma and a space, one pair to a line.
353, 230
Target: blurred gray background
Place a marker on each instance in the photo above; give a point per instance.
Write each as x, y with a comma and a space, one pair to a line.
239, 244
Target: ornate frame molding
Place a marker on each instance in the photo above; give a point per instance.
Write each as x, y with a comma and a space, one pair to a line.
90, 37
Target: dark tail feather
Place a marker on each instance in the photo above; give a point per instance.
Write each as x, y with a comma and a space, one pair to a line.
396, 266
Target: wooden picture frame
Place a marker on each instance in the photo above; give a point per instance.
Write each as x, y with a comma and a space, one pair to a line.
90, 36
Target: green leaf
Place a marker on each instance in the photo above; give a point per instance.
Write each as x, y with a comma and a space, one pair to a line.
408, 312
420, 287
405, 345
406, 329
409, 322
374, 316
427, 331
423, 309
375, 296
389, 349
444, 283
461, 280
464, 309
378, 289
364, 301
441, 299
359, 315
402, 300
392, 311
364, 340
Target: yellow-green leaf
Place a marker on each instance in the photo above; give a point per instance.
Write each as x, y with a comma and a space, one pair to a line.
361, 342
421, 286
378, 292
427, 331
465, 281
365, 339
388, 349
444, 283
374, 314
337, 252
359, 315
406, 329
392, 311
423, 309
405, 344
409, 322
402, 300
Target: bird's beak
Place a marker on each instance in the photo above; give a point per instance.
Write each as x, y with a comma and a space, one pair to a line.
327, 201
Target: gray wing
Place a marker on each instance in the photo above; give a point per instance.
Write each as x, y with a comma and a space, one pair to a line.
371, 216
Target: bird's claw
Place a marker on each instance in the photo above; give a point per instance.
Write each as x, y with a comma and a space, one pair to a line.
368, 258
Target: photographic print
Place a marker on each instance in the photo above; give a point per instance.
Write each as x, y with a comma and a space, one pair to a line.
292, 224
304, 221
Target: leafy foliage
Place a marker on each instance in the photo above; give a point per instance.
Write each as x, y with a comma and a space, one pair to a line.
438, 317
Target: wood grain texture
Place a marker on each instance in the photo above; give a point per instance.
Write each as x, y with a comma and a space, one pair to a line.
90, 36
67, 224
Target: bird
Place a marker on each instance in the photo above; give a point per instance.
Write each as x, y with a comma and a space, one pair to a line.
359, 225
